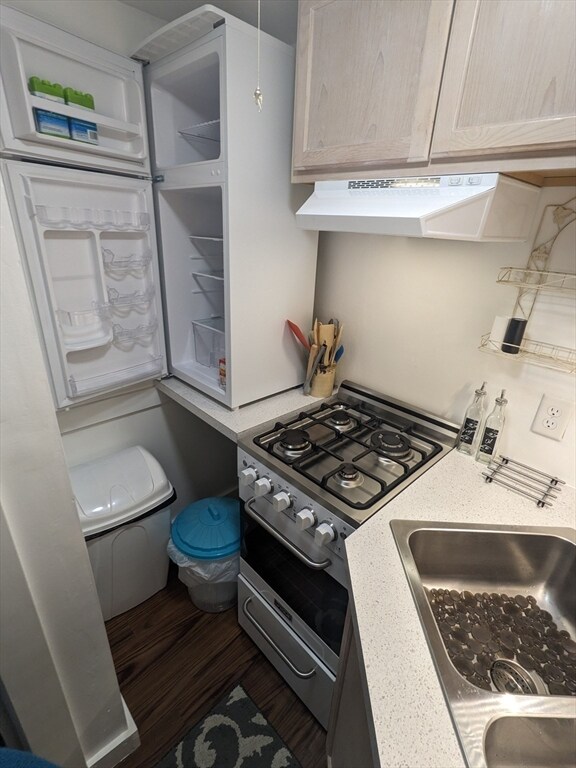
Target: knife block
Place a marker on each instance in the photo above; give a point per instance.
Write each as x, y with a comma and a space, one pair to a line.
323, 382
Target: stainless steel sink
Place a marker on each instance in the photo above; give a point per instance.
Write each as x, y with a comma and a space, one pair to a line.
498, 609
531, 742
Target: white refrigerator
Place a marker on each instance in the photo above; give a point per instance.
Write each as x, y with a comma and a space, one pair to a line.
175, 256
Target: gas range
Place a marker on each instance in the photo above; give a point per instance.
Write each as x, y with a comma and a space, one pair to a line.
307, 482
351, 453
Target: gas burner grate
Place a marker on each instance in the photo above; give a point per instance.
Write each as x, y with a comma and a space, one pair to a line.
384, 447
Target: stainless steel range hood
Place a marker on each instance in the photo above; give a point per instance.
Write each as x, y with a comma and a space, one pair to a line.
482, 207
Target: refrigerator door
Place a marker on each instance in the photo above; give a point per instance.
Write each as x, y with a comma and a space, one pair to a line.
90, 251
46, 79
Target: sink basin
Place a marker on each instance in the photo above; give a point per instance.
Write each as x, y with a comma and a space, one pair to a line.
498, 609
530, 742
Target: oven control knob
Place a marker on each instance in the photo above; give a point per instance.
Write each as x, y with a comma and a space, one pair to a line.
324, 534
247, 476
281, 501
262, 486
305, 518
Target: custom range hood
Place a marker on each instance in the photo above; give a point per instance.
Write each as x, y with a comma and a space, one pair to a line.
483, 207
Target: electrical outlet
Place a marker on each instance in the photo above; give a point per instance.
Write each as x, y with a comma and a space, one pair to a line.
552, 417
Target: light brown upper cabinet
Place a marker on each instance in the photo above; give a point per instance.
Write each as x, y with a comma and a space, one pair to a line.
367, 80
412, 87
509, 79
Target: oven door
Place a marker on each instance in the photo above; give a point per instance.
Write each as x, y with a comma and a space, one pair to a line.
310, 679
310, 601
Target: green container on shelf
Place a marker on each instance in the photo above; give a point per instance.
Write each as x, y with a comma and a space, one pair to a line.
45, 89
79, 99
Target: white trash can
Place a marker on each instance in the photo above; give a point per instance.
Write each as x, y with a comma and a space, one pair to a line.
123, 503
205, 544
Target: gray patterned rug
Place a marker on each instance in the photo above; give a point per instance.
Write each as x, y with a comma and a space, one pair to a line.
235, 734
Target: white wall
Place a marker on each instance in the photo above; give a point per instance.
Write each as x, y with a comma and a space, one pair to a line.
108, 23
56, 666
415, 311
197, 459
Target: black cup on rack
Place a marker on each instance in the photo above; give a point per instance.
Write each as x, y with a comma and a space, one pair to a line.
514, 335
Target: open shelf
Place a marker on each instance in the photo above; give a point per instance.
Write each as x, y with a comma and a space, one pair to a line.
538, 280
534, 352
207, 131
534, 279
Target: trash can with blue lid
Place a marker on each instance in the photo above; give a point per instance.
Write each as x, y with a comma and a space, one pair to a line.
205, 545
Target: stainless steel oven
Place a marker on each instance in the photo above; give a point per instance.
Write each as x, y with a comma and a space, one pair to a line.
307, 482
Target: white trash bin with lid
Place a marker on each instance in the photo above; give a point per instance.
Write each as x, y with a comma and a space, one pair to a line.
123, 503
205, 544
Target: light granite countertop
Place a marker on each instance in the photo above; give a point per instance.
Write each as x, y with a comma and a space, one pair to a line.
233, 422
411, 721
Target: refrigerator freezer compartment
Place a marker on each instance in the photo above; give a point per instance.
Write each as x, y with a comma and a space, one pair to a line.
30, 48
209, 341
186, 107
85, 329
63, 217
120, 377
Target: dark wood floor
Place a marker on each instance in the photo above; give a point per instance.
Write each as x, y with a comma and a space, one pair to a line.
174, 663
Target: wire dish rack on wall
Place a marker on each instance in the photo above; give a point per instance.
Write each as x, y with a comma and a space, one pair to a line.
532, 280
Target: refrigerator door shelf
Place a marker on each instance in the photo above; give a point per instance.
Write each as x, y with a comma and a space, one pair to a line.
127, 335
118, 264
84, 330
121, 302
30, 48
92, 385
62, 217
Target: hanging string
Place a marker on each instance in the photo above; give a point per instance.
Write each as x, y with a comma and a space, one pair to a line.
258, 92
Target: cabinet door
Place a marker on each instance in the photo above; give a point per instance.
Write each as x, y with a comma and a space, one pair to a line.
508, 83
367, 81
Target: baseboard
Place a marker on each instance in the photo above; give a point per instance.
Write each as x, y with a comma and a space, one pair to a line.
120, 747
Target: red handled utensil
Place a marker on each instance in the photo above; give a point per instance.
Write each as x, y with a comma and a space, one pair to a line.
298, 334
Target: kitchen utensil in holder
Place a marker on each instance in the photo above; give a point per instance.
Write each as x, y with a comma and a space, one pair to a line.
323, 381
524, 480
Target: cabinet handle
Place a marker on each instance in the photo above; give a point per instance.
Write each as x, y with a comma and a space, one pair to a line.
266, 636
314, 564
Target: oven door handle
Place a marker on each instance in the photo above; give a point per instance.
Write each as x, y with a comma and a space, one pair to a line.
314, 564
272, 643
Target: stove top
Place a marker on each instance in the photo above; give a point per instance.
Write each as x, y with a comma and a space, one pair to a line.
354, 451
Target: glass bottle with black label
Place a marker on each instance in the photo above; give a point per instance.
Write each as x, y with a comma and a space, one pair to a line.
492, 431
470, 429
